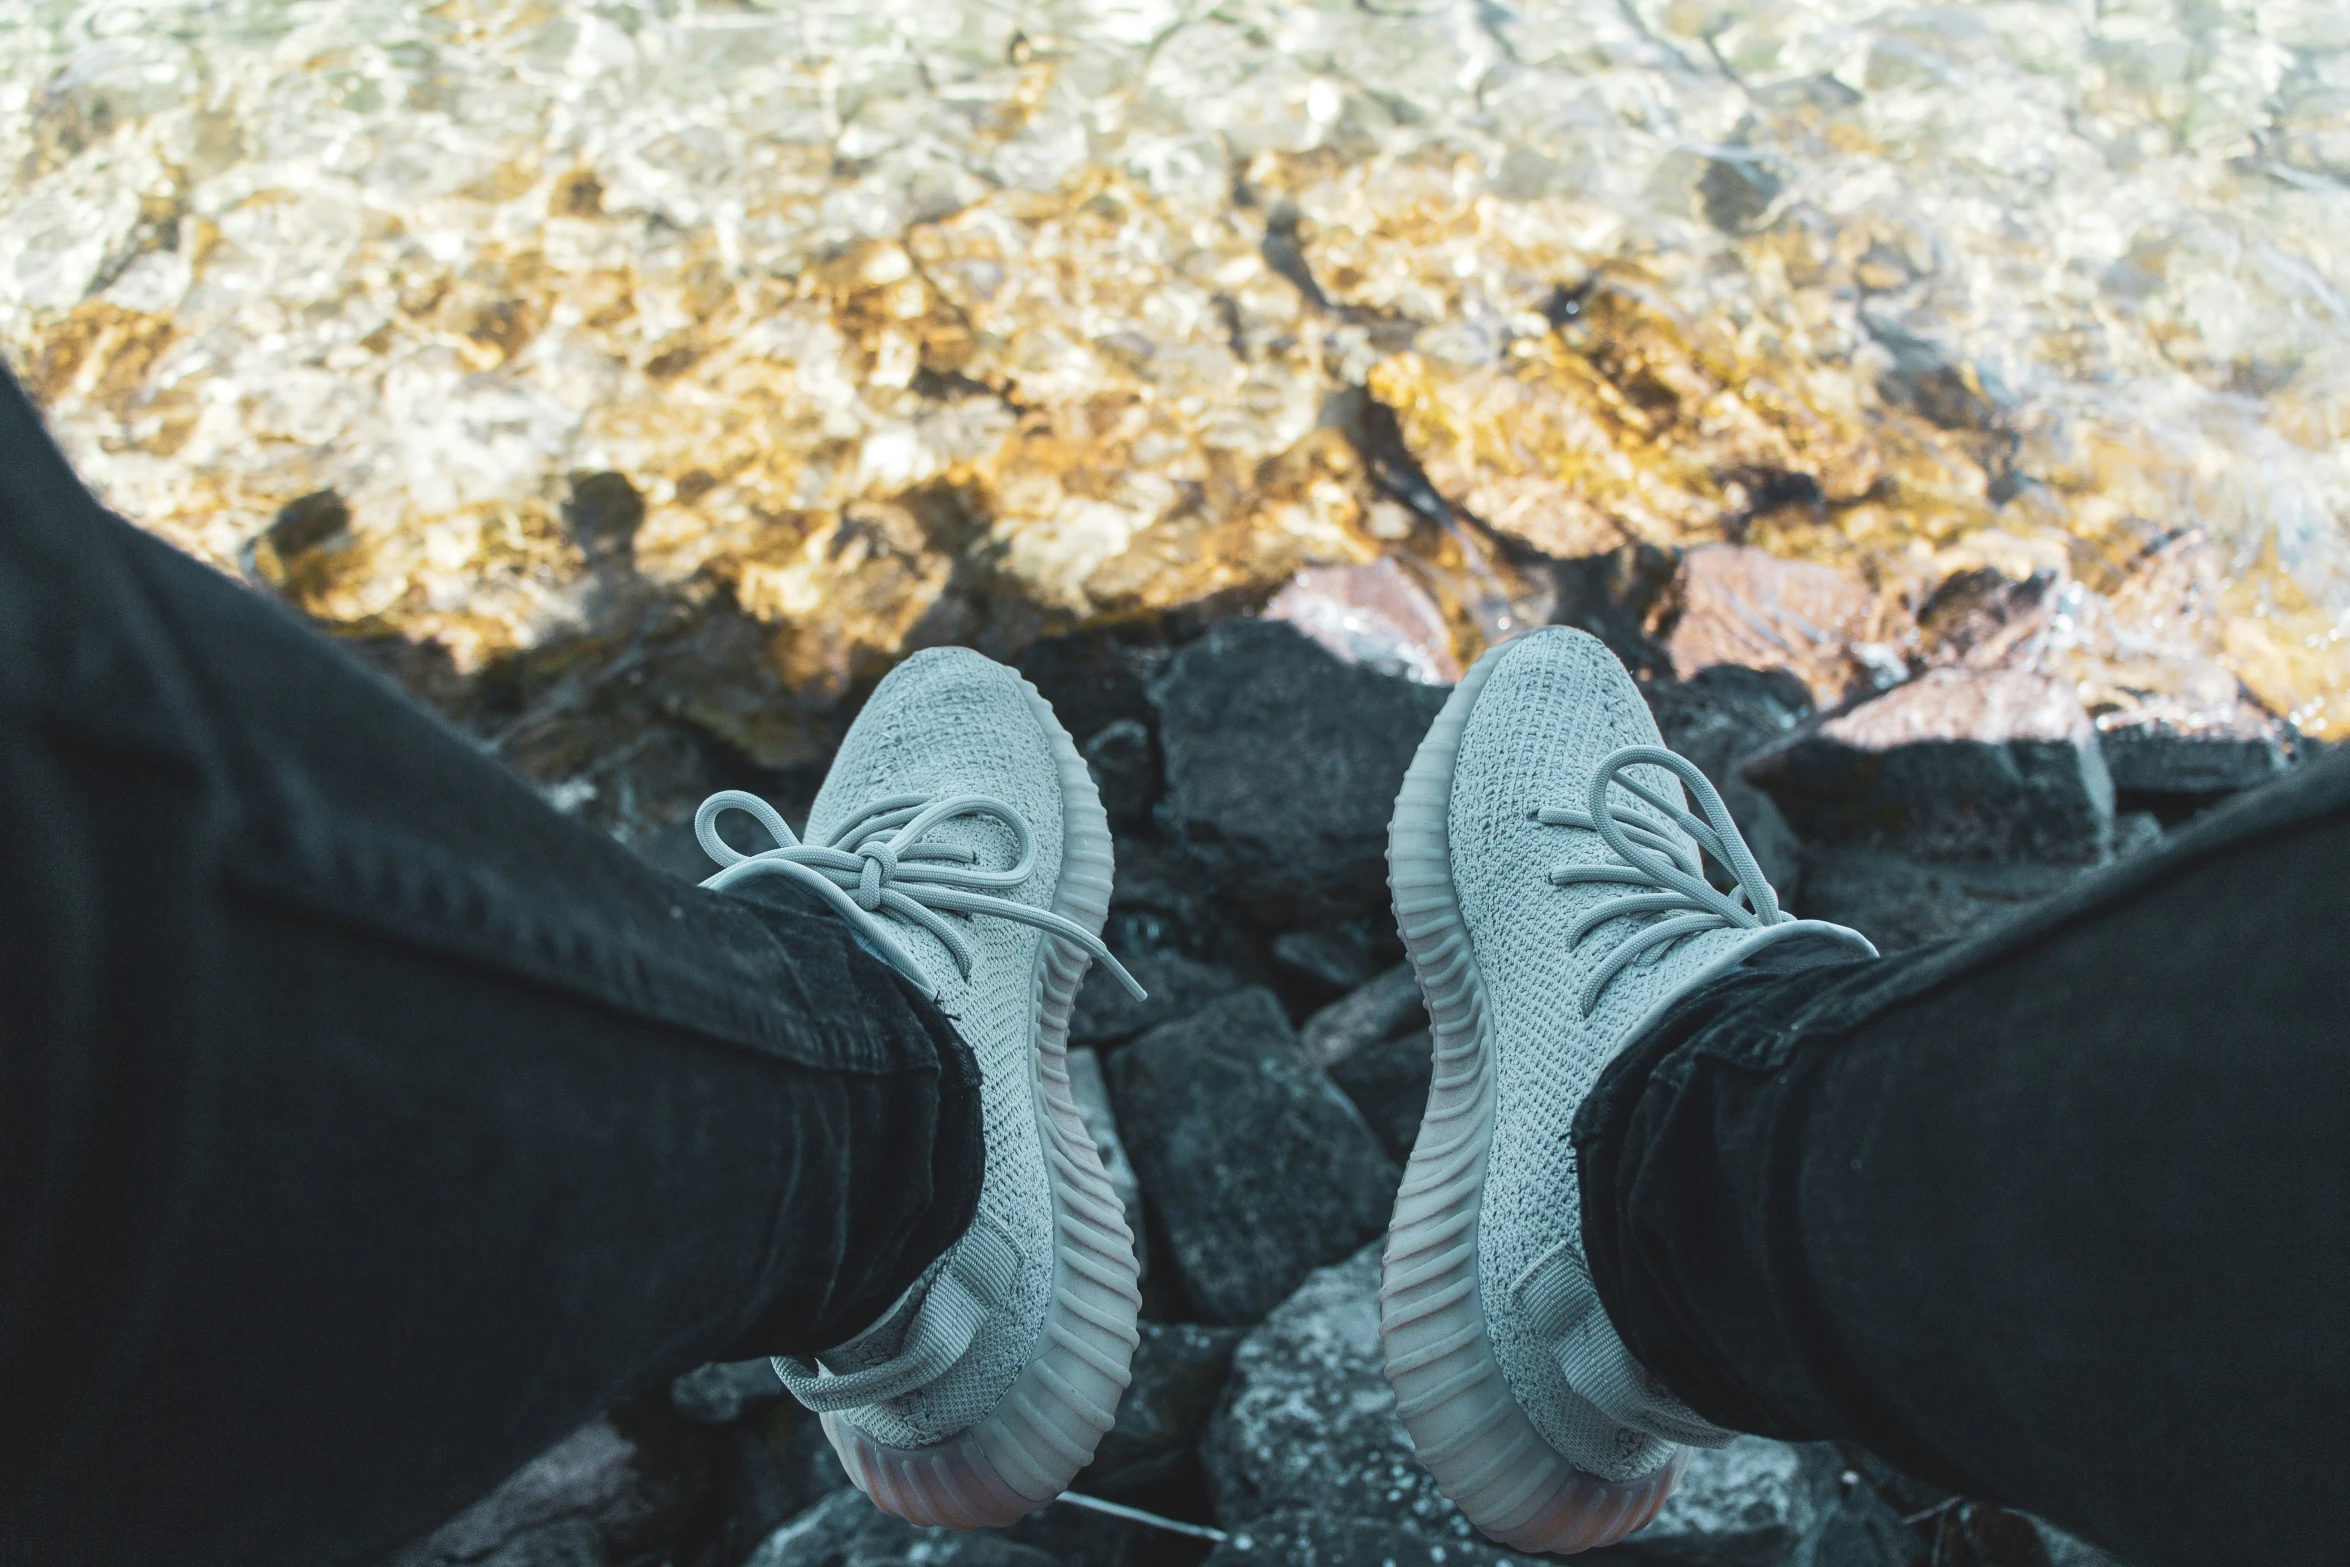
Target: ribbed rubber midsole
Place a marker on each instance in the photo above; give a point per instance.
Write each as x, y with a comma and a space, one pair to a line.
1450, 1392
1046, 1426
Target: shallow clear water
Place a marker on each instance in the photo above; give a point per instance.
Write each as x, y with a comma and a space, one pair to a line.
923, 320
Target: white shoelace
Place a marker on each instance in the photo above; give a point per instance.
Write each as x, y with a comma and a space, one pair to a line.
878, 864
1654, 860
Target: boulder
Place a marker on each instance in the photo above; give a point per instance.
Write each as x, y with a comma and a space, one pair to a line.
1307, 1463
846, 1530
1124, 761
1308, 1423
619, 1486
1107, 1013
1387, 1006
1282, 764
1309, 1538
1373, 615
1388, 1083
1718, 718
1179, 1374
1257, 1169
1329, 960
1753, 1503
1899, 903
2158, 759
1732, 604
1957, 765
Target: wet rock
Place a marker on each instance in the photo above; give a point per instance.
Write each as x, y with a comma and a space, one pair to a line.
1107, 1014
1957, 765
1308, 1424
1101, 1124
1736, 190
1718, 718
1983, 618
1899, 903
1373, 615
846, 1530
1306, 1538
1382, 1009
1388, 1082
1731, 604
1257, 1169
718, 1393
2157, 759
1282, 767
1179, 1373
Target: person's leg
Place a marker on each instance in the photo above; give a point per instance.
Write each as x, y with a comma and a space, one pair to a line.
364, 1125
2058, 1215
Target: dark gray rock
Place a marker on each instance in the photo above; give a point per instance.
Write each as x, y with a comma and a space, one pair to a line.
846, 1530
1388, 1082
1321, 1539
1736, 190
1179, 1373
1335, 958
1307, 1447
616, 1488
1308, 1423
568, 1542
1900, 903
1718, 718
1107, 1013
1958, 765
1093, 678
1856, 1527
2065, 1550
1282, 766
1382, 1009
2158, 760
1256, 1168
1753, 1503
1082, 1537
718, 1393
778, 1464
1125, 764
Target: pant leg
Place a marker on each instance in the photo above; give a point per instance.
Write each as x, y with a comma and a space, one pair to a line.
364, 1125
2058, 1215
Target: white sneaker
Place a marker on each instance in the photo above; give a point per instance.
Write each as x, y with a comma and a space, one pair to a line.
960, 834
1547, 881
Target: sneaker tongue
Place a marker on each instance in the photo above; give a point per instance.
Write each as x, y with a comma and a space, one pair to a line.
887, 1336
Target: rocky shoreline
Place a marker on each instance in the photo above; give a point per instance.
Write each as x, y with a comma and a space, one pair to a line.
1257, 1107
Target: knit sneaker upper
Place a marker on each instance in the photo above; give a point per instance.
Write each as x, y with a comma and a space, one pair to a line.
1566, 993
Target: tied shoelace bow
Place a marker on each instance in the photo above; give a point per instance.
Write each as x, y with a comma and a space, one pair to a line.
879, 863
1655, 860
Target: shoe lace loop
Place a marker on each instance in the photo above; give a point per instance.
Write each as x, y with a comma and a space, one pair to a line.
881, 862
1673, 877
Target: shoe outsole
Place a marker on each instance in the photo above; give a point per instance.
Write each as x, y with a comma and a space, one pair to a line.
1048, 1423
1450, 1391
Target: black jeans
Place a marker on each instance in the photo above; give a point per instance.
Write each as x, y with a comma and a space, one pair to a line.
2058, 1215
365, 1125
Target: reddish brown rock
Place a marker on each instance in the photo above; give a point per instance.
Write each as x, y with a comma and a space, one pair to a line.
1735, 605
